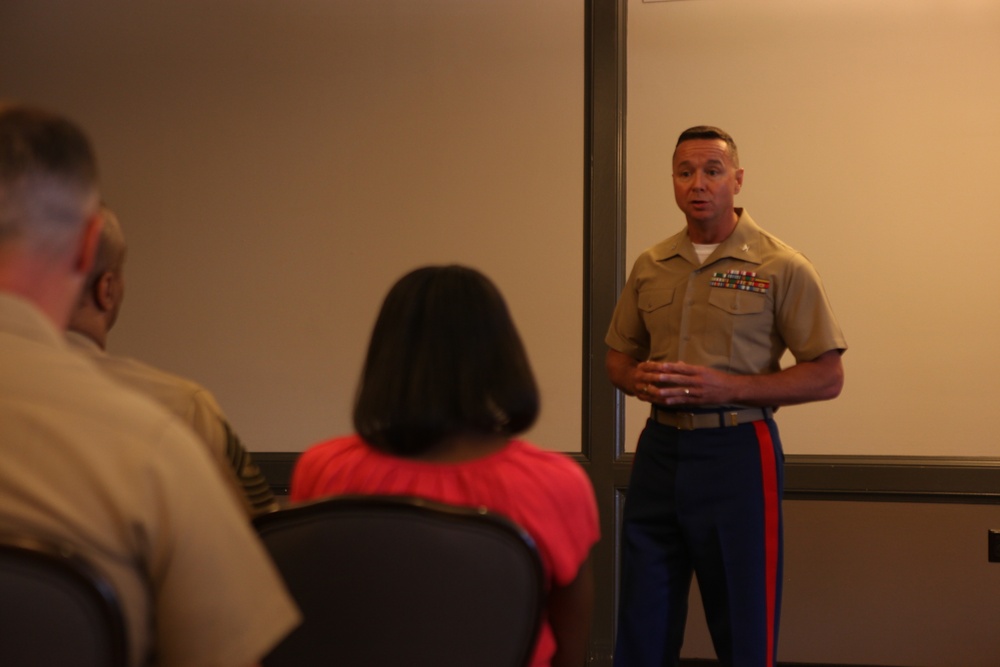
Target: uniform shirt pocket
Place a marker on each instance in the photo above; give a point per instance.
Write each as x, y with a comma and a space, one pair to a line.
737, 302
740, 327
654, 299
657, 308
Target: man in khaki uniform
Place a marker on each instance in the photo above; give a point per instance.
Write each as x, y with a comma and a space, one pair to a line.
93, 317
699, 332
93, 464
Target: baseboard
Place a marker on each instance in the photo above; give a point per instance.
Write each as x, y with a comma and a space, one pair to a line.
277, 469
890, 478
893, 478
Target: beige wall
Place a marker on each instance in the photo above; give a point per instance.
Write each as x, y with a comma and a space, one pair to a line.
277, 165
869, 135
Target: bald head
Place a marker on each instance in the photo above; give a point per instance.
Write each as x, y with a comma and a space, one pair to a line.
104, 290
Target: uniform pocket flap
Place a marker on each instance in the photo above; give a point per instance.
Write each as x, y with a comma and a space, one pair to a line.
737, 302
650, 300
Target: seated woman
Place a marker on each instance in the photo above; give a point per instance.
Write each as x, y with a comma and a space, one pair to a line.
445, 387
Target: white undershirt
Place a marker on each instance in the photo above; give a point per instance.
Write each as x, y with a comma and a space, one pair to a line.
704, 250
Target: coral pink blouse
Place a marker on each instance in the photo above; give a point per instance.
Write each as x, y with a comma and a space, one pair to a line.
544, 492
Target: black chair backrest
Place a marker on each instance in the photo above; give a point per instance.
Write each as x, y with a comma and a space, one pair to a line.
56, 609
392, 582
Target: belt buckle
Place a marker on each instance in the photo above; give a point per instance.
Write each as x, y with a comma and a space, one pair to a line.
685, 421
732, 418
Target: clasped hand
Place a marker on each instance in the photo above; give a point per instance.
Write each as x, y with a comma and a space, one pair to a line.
678, 383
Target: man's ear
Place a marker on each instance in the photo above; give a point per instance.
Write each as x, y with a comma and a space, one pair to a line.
105, 291
86, 250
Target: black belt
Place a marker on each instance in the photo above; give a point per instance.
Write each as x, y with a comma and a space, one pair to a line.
688, 421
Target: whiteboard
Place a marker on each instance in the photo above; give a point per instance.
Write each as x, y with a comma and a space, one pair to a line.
278, 165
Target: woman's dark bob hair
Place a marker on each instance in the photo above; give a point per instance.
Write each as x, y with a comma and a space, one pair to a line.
444, 360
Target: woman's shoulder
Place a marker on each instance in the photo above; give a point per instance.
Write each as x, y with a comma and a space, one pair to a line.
550, 466
337, 445
556, 504
323, 460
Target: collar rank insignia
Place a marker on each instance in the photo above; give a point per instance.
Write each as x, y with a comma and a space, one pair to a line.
746, 281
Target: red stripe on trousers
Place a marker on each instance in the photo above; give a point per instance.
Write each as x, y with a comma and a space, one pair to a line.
769, 476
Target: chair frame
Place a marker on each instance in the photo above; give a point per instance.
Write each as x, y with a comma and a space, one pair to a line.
63, 563
420, 508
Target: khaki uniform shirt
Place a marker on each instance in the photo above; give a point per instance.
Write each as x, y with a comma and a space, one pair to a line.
753, 298
89, 462
196, 407
194, 404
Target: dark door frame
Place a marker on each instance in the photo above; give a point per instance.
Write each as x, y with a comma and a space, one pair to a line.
602, 452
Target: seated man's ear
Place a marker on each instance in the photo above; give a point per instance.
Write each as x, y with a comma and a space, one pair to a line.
106, 291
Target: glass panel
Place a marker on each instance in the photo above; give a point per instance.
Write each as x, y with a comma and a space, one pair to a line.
869, 137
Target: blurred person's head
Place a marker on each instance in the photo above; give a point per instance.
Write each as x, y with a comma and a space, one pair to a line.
445, 360
49, 222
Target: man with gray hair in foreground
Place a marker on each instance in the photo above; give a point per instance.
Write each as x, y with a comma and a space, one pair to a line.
91, 463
